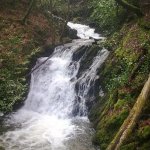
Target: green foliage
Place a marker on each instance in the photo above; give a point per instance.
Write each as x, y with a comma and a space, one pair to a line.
107, 127
126, 58
127, 48
14, 65
59, 7
120, 104
112, 42
119, 75
144, 133
131, 146
106, 14
11, 92
116, 120
12, 87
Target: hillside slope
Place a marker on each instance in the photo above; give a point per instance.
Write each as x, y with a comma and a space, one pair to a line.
122, 78
18, 44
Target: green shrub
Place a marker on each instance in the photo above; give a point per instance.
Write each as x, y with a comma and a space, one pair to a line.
144, 133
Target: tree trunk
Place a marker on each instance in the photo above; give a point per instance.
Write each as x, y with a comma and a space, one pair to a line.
130, 7
67, 19
132, 119
52, 23
28, 11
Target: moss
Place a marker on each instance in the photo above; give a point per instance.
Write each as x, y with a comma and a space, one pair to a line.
144, 132
120, 104
145, 146
131, 146
112, 42
116, 120
108, 126
95, 112
122, 90
144, 24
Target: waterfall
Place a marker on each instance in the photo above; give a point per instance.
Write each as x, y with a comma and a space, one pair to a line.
87, 80
46, 121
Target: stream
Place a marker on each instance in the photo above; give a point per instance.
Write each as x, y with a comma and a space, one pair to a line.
54, 115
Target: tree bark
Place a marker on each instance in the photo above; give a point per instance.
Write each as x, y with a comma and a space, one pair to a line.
132, 119
130, 7
66, 20
52, 23
28, 11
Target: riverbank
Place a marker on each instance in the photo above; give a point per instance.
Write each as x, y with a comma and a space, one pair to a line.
122, 78
19, 43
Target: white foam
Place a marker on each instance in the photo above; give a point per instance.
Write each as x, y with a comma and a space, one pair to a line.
84, 32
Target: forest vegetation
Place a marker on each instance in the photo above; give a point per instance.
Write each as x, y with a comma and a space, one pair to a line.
31, 28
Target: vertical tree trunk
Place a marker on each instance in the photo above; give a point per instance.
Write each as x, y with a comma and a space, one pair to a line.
28, 11
131, 120
67, 19
51, 23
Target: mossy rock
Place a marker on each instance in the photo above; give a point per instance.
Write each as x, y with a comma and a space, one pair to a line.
116, 120
107, 128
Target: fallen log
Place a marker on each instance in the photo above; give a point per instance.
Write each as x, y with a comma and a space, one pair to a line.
132, 119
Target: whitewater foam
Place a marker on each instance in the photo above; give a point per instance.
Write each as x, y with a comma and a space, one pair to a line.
84, 31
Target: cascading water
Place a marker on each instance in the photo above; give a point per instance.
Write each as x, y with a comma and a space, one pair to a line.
46, 121
88, 79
